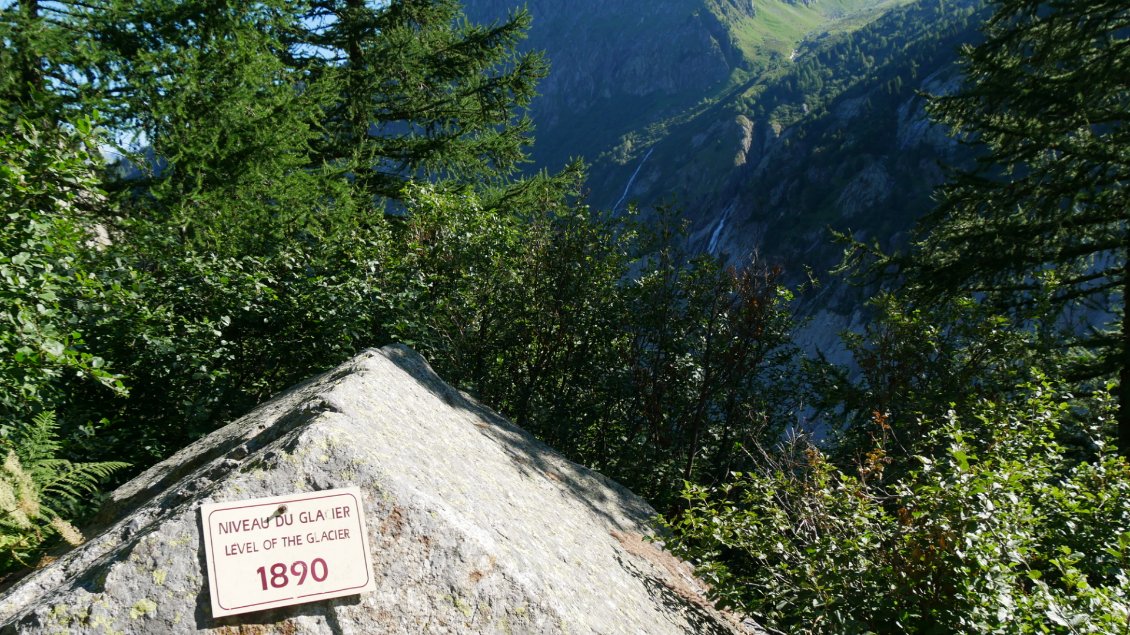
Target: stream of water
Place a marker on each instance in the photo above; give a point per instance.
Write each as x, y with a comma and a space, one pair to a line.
616, 207
713, 245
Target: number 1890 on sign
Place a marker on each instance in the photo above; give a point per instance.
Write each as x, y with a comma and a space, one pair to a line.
279, 577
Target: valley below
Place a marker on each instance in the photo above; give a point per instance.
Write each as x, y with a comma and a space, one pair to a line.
764, 126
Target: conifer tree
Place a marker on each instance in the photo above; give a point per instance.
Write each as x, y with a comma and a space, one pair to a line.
226, 125
44, 57
417, 91
1043, 219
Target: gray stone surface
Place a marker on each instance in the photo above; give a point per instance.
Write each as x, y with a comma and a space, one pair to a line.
474, 526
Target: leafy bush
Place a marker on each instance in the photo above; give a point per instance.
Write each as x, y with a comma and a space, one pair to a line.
203, 338
649, 368
48, 195
516, 300
912, 363
47, 190
1000, 532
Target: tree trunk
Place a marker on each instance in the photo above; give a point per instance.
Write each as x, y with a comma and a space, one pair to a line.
357, 100
1124, 367
31, 71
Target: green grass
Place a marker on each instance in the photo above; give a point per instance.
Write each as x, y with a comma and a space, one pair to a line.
766, 39
778, 27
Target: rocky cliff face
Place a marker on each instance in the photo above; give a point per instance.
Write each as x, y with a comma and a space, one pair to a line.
688, 102
795, 185
616, 64
472, 525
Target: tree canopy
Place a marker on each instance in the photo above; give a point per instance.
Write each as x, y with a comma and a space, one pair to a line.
1040, 226
413, 90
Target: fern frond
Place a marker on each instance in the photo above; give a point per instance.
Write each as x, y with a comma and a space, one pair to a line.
38, 491
12, 517
38, 442
68, 532
74, 482
24, 491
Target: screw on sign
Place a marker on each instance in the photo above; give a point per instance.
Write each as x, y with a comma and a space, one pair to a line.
269, 552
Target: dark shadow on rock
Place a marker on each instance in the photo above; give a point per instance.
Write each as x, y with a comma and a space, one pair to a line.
529, 454
203, 613
234, 442
701, 619
264, 620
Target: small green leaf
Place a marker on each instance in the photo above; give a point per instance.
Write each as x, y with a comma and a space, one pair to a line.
53, 347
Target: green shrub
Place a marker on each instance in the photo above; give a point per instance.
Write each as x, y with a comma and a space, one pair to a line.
48, 198
1000, 532
47, 192
203, 338
619, 350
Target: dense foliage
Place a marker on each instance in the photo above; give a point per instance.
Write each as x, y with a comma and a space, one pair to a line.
1043, 218
39, 491
998, 529
48, 191
975, 485
416, 91
651, 376
260, 235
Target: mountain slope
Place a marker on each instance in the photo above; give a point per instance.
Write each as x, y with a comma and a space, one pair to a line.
765, 123
619, 66
839, 138
614, 65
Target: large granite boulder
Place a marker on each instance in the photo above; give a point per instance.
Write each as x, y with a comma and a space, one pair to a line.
472, 525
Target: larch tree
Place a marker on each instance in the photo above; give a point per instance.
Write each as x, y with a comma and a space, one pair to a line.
417, 92
45, 57
1040, 226
225, 126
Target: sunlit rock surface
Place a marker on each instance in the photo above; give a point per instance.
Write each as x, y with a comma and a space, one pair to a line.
473, 526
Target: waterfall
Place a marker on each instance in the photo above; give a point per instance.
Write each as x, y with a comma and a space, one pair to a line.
713, 245
632, 180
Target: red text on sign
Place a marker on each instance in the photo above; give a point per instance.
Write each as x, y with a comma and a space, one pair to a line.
280, 574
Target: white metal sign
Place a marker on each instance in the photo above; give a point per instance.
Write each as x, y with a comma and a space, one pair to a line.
269, 552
